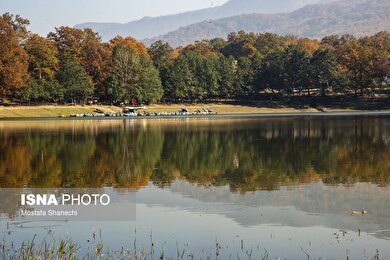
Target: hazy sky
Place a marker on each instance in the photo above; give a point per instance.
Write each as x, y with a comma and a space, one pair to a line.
44, 15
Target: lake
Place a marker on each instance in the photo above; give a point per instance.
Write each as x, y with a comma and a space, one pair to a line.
248, 187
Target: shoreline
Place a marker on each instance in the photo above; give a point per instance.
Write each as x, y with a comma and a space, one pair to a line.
212, 116
220, 110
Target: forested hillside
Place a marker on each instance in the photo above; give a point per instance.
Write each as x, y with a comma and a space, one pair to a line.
356, 17
154, 26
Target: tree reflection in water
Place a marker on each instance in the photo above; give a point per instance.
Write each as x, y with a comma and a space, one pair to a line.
246, 154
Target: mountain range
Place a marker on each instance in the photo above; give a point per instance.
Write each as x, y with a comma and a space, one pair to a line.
149, 27
304, 18
356, 17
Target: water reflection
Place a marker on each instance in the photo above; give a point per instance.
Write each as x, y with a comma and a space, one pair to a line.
246, 154
271, 182
314, 216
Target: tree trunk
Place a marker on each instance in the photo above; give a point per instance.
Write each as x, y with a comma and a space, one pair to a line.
323, 92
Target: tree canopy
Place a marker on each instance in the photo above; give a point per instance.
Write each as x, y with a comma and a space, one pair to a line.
13, 58
73, 65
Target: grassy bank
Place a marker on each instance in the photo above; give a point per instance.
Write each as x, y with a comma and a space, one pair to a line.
56, 111
51, 110
295, 104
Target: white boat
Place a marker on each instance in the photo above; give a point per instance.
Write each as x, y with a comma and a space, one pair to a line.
131, 114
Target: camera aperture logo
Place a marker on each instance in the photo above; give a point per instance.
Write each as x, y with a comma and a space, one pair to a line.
35, 204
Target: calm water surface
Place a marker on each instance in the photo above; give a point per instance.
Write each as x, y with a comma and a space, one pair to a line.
283, 185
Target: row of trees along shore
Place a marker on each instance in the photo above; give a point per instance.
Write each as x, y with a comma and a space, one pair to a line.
73, 66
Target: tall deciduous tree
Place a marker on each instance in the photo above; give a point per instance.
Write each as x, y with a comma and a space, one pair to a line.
13, 59
359, 60
19, 26
268, 42
207, 75
162, 54
193, 77
226, 70
382, 68
297, 67
43, 67
114, 91
86, 47
240, 44
308, 45
43, 57
272, 74
135, 76
124, 61
148, 84
77, 84
69, 42
183, 83
96, 59
324, 70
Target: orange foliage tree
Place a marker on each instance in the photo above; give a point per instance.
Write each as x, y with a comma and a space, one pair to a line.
308, 45
13, 59
43, 57
129, 42
86, 47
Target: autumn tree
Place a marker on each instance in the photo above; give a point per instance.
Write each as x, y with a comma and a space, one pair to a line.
359, 61
203, 48
19, 26
71, 63
240, 44
129, 42
69, 42
268, 42
162, 54
382, 68
43, 60
218, 44
308, 45
331, 42
43, 67
380, 44
96, 59
85, 47
13, 59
